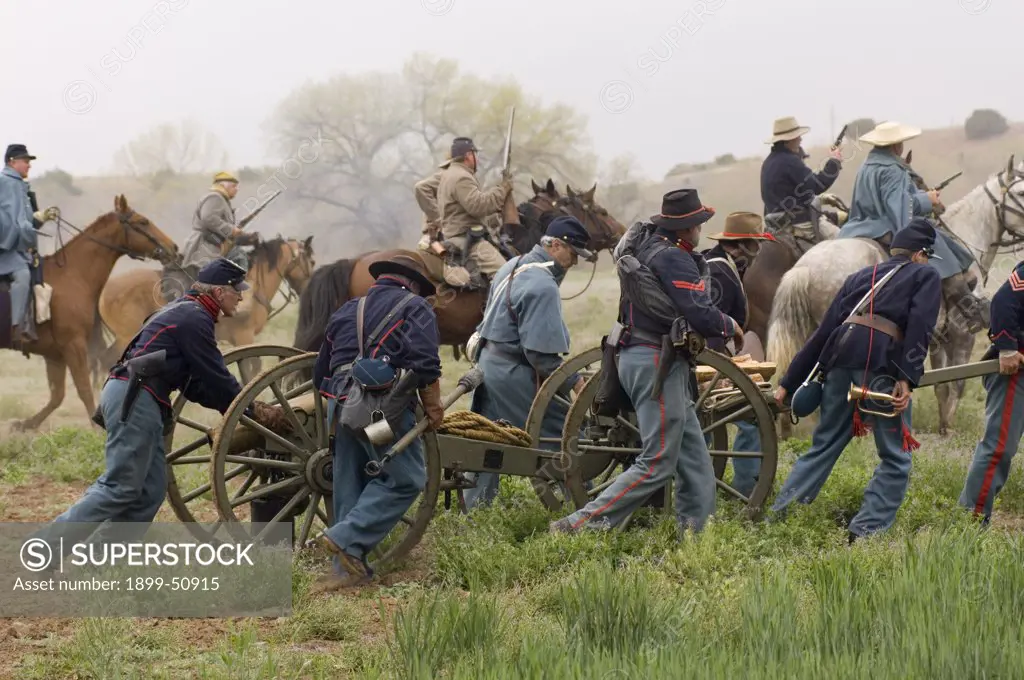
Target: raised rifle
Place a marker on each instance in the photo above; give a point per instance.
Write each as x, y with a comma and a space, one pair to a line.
229, 243
506, 158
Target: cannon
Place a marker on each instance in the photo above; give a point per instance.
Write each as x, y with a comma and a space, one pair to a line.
255, 475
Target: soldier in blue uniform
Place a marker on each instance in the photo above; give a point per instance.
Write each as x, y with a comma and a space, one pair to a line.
1004, 400
175, 350
788, 186
657, 383
886, 200
738, 245
524, 336
399, 334
882, 348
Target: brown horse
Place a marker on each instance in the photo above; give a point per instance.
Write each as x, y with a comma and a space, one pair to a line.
77, 273
129, 298
458, 311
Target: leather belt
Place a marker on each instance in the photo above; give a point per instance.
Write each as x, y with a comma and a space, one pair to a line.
879, 323
645, 336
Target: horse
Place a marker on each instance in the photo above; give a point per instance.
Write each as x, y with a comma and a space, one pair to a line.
130, 298
77, 272
459, 312
980, 221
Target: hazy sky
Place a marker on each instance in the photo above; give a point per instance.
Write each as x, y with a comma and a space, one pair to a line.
669, 81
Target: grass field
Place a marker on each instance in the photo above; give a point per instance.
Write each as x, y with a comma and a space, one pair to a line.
495, 596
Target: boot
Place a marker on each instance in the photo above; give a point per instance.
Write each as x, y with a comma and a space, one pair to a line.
431, 398
964, 305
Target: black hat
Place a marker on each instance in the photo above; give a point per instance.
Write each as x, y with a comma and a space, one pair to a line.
916, 236
223, 272
17, 151
569, 229
682, 209
403, 265
461, 146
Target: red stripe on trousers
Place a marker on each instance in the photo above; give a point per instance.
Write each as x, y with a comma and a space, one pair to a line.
650, 469
997, 455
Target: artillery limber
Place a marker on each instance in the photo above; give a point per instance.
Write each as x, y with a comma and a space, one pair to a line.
255, 475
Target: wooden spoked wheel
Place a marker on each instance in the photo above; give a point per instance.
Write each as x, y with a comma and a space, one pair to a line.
598, 448
188, 462
552, 492
251, 463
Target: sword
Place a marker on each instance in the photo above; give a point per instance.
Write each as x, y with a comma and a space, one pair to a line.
506, 172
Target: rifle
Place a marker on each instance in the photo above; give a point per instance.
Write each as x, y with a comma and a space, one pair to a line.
229, 243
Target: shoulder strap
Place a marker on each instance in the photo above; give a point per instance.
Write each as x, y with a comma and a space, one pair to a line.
383, 322
508, 292
359, 324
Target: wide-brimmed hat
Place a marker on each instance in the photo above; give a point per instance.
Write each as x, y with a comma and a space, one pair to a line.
889, 133
402, 265
17, 151
740, 226
682, 209
785, 129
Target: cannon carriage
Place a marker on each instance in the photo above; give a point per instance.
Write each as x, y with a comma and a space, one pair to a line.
254, 475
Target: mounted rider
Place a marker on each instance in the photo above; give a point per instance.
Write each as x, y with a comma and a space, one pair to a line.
213, 223
886, 200
462, 208
663, 302
426, 196
523, 337
738, 245
790, 189
19, 220
875, 336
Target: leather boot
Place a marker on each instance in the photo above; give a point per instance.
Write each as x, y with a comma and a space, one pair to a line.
961, 303
431, 398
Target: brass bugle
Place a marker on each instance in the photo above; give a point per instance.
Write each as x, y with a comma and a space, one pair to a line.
860, 393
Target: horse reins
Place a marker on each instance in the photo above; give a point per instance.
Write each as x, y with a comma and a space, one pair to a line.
124, 219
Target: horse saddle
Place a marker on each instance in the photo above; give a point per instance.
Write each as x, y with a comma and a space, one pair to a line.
37, 307
449, 270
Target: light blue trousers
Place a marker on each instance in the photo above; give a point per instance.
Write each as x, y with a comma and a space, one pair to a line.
672, 444
745, 471
1004, 425
20, 286
366, 509
888, 486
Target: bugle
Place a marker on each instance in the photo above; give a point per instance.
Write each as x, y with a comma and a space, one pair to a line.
860, 393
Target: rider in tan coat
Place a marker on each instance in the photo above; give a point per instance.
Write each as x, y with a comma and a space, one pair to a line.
462, 207
426, 197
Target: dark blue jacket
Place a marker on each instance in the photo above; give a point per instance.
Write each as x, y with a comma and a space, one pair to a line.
680, 275
185, 329
788, 185
910, 299
410, 341
726, 292
1006, 329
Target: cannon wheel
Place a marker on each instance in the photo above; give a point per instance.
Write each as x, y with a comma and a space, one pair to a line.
176, 458
301, 462
587, 363
609, 444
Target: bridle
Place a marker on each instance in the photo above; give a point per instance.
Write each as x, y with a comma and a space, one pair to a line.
296, 250
1017, 237
592, 223
125, 220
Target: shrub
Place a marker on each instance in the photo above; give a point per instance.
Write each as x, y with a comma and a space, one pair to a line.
985, 123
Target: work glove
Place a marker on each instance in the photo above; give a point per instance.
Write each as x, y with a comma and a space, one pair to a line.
51, 213
431, 398
270, 417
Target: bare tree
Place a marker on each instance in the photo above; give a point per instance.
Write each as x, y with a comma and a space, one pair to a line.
171, 149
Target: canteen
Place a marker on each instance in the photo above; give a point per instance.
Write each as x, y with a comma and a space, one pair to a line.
806, 399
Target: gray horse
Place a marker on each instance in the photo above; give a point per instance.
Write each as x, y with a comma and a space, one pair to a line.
989, 217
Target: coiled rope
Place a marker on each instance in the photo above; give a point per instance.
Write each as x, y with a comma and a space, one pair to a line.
474, 426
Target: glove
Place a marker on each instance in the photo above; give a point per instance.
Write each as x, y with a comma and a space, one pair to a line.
506, 186
431, 398
50, 213
270, 417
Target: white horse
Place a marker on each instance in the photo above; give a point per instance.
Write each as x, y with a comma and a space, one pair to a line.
980, 219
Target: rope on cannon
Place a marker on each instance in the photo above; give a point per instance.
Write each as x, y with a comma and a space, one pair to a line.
471, 425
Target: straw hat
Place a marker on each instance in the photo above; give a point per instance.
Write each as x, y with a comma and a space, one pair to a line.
889, 133
743, 225
785, 129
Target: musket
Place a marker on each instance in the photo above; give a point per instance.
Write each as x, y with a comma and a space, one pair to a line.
506, 172
258, 210
839, 137
945, 183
